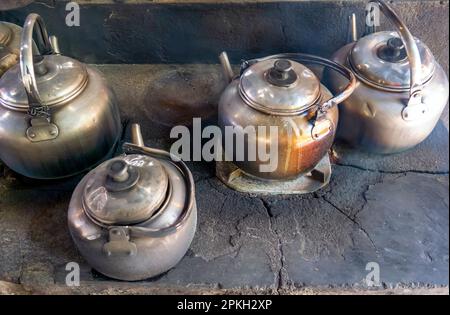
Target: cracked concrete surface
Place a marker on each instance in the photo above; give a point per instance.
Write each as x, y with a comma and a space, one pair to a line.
392, 210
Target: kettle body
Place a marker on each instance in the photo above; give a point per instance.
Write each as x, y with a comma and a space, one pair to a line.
9, 45
401, 90
305, 126
58, 117
138, 227
372, 119
298, 151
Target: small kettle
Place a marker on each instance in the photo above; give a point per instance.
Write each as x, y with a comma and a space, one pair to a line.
58, 117
280, 91
401, 91
134, 216
9, 45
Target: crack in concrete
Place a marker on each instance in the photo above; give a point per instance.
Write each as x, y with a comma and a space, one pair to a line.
282, 272
213, 186
360, 227
225, 199
369, 186
392, 172
428, 256
22, 262
234, 246
365, 198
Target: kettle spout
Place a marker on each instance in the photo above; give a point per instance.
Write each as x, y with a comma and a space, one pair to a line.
352, 35
136, 135
55, 45
226, 66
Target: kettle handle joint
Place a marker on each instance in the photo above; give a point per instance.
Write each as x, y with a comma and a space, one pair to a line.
41, 128
415, 105
119, 244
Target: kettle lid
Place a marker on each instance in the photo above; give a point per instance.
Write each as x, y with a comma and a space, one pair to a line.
126, 190
5, 33
59, 79
279, 86
380, 59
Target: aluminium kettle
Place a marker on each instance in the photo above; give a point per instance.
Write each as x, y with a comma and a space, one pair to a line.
401, 90
58, 116
280, 91
134, 216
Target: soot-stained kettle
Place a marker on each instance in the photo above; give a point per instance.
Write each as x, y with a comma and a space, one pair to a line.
280, 91
401, 90
9, 45
58, 117
134, 216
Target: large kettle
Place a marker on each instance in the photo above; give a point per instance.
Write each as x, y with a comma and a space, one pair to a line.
401, 90
9, 45
134, 216
280, 91
58, 117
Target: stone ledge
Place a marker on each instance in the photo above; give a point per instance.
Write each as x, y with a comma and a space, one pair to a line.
8, 288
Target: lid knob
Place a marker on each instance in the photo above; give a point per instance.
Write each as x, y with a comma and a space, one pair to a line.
121, 176
395, 43
282, 66
282, 74
126, 190
393, 51
118, 171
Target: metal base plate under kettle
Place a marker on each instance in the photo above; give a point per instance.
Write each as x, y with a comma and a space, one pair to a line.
235, 178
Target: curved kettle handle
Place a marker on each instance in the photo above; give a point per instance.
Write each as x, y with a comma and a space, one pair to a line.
190, 199
27, 67
137, 147
413, 55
